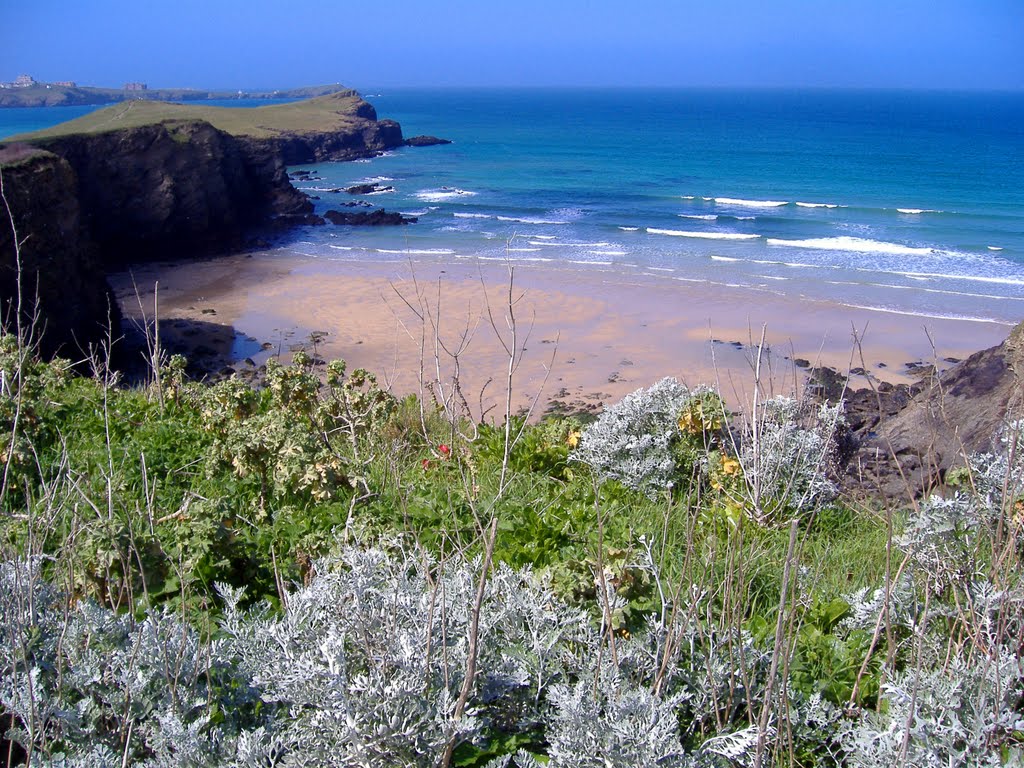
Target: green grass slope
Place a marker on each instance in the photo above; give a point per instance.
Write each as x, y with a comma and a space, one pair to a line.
334, 112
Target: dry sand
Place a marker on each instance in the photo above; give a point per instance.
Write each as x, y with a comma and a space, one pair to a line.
584, 337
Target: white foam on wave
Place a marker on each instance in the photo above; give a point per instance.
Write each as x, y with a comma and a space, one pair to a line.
818, 205
916, 211
994, 248
702, 216
629, 229
472, 216
442, 194
609, 253
919, 289
569, 245
688, 197
420, 212
319, 189
750, 203
929, 315
542, 237
662, 269
341, 247
855, 244
724, 258
590, 263
529, 220
702, 235
420, 251
972, 278
524, 250
375, 180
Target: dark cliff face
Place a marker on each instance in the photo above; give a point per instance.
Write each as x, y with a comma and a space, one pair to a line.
174, 189
61, 279
367, 140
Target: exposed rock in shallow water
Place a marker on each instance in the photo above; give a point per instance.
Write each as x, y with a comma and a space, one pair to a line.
376, 218
425, 141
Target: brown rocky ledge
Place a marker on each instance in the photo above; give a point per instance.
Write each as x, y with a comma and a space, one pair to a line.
904, 439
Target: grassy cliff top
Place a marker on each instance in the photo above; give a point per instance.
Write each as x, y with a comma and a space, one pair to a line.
333, 112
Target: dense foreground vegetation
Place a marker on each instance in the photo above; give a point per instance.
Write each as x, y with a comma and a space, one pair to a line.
316, 573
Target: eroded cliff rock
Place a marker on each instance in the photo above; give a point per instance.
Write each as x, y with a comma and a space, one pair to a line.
174, 189
910, 446
63, 291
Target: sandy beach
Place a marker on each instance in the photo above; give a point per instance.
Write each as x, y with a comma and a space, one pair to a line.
583, 337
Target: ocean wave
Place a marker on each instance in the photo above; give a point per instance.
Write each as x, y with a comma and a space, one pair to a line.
702, 216
609, 253
702, 235
930, 315
724, 258
688, 197
569, 245
529, 220
916, 211
942, 291
375, 180
972, 278
420, 251
662, 269
541, 237
442, 194
750, 203
420, 212
319, 189
472, 216
591, 263
993, 247
341, 247
855, 244
629, 229
524, 250
818, 205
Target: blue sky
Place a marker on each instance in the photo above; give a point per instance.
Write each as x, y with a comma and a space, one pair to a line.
954, 44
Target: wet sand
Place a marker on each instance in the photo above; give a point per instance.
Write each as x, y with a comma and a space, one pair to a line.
582, 336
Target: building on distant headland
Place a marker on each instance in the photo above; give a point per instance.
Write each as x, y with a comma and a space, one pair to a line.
65, 83
135, 87
24, 81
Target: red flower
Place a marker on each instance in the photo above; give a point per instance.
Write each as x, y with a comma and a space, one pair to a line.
444, 450
426, 464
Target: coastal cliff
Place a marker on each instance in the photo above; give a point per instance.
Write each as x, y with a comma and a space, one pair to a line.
140, 181
174, 188
63, 289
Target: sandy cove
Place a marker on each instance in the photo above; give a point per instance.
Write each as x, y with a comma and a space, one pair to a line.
586, 336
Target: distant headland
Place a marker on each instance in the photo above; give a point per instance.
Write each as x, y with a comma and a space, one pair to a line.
25, 91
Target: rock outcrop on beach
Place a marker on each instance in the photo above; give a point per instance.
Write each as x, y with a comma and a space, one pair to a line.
907, 438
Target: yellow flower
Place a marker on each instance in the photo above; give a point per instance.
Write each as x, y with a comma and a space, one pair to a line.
730, 466
573, 439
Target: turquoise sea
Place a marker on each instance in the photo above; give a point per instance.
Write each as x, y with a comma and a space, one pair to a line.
907, 202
